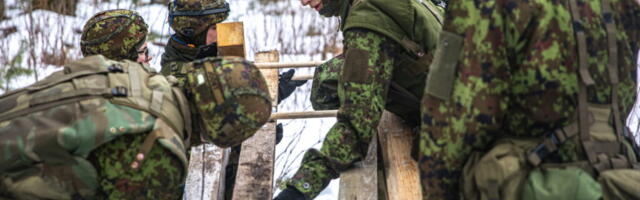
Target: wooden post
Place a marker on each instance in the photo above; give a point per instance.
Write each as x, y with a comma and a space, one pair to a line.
206, 172
231, 39
361, 182
254, 179
401, 170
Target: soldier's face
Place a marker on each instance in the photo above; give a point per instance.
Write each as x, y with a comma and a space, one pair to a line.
143, 54
315, 4
212, 35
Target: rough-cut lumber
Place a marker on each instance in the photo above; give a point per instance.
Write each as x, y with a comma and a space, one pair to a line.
361, 182
401, 170
254, 179
277, 65
206, 172
231, 39
304, 115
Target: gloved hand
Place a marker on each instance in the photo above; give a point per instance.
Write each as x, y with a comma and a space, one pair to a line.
210, 50
290, 194
279, 132
286, 86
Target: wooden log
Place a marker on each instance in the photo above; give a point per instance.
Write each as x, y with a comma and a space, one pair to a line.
277, 65
304, 115
231, 39
401, 170
361, 182
206, 172
255, 170
302, 77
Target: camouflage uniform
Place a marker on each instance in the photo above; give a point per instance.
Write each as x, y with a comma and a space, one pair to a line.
515, 76
380, 61
95, 147
190, 19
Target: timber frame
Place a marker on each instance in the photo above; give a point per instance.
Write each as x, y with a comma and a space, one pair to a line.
254, 179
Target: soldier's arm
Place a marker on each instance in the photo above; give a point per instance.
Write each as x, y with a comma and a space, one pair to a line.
453, 126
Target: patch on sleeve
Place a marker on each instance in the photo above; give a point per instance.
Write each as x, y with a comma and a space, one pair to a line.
356, 65
442, 71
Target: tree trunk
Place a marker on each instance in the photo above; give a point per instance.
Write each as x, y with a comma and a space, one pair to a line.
2, 10
65, 7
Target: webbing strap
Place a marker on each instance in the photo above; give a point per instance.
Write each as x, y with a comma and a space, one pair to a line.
135, 82
585, 77
613, 67
64, 78
157, 99
183, 105
552, 141
105, 92
582, 44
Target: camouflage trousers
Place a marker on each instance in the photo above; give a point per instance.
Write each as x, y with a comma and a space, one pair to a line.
358, 84
85, 156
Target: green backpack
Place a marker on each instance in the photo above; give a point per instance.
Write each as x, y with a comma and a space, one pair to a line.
48, 129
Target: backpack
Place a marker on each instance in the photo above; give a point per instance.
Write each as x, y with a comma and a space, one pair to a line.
44, 155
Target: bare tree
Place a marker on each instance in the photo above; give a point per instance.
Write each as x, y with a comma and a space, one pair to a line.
65, 7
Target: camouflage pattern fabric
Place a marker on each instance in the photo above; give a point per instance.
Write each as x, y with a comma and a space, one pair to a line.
175, 56
161, 176
516, 76
195, 21
324, 90
231, 96
368, 68
115, 34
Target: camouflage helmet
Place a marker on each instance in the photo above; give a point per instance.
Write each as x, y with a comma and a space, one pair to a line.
115, 34
231, 96
190, 18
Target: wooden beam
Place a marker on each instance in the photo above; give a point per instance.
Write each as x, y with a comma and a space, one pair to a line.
206, 172
254, 179
277, 65
401, 170
361, 182
302, 77
231, 39
304, 115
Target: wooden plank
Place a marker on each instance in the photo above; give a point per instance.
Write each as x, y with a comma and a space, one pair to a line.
302, 77
305, 114
361, 182
277, 65
401, 170
206, 173
231, 39
254, 179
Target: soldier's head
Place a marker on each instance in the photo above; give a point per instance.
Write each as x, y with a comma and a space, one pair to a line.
116, 34
231, 97
328, 8
195, 19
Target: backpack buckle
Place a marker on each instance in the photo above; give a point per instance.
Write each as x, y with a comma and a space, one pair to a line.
115, 68
119, 91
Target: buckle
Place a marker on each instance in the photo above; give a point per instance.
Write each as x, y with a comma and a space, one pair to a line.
119, 91
115, 68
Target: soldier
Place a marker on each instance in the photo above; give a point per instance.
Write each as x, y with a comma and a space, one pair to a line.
560, 73
116, 129
194, 23
388, 45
